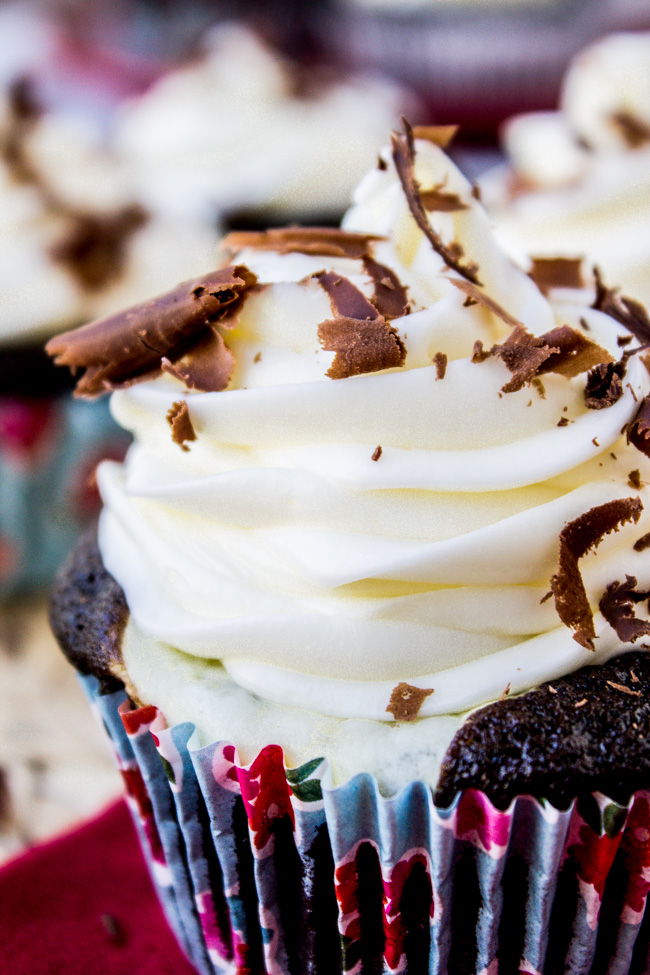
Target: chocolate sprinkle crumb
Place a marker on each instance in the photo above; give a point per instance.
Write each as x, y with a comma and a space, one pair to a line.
563, 422
360, 346
616, 606
634, 479
624, 339
642, 543
346, 300
523, 354
556, 272
377, 452
478, 352
177, 327
404, 159
406, 701
576, 539
180, 421
576, 353
440, 362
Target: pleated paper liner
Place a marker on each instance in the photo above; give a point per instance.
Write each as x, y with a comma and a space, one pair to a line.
49, 449
263, 869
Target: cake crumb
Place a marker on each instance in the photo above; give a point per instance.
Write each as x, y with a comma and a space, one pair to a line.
623, 689
580, 704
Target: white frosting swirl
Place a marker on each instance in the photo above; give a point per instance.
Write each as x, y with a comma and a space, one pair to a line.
321, 577
578, 180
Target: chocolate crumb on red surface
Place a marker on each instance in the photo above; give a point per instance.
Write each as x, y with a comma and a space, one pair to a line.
406, 701
617, 607
638, 430
130, 347
178, 417
320, 241
540, 744
404, 159
360, 346
556, 272
576, 539
377, 452
440, 362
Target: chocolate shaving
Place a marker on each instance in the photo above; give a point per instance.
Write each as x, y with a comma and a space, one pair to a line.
523, 354
638, 431
634, 130
404, 158
206, 364
634, 479
325, 241
376, 454
389, 298
562, 422
93, 248
557, 272
604, 386
406, 701
360, 346
576, 539
575, 352
180, 421
480, 298
130, 347
616, 606
642, 543
346, 299
628, 312
478, 352
436, 200
441, 135
623, 689
440, 362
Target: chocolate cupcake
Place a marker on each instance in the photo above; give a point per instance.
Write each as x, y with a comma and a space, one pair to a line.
372, 582
73, 244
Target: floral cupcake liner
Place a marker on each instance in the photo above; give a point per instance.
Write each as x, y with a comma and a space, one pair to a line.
263, 869
49, 449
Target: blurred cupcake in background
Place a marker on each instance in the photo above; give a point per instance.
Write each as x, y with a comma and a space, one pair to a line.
74, 242
579, 178
245, 136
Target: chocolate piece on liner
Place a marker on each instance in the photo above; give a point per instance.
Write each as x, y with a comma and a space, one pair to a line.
406, 701
404, 158
616, 606
441, 135
88, 614
360, 346
540, 744
634, 130
576, 539
628, 312
129, 347
638, 431
556, 272
390, 297
319, 241
178, 417
346, 299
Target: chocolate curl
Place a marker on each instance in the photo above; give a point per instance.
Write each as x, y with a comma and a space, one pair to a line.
360, 346
576, 539
404, 159
137, 344
617, 607
556, 272
320, 241
390, 297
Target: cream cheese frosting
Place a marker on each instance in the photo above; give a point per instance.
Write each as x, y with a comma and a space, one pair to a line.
320, 571
231, 132
60, 191
577, 181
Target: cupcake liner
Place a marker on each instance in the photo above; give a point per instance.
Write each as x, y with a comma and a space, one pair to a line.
263, 869
49, 449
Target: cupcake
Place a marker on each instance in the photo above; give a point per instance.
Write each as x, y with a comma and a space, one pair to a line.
577, 180
73, 244
242, 134
372, 583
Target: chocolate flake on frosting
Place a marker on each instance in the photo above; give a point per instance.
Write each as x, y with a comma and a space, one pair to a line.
575, 352
638, 431
634, 130
630, 313
436, 200
616, 606
556, 272
634, 479
320, 241
478, 352
406, 701
206, 364
404, 159
346, 299
523, 353
642, 543
360, 346
604, 386
440, 362
389, 298
180, 421
576, 539
377, 452
130, 347
93, 248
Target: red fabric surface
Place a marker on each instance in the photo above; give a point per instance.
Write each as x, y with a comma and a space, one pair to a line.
53, 899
